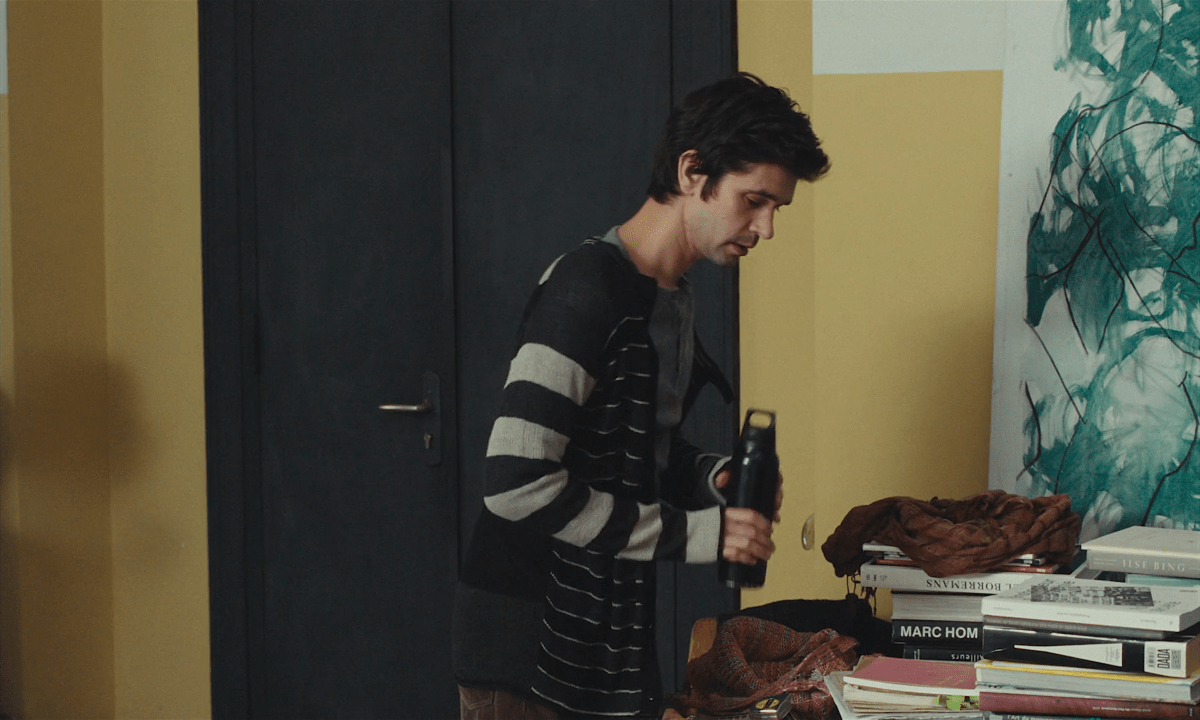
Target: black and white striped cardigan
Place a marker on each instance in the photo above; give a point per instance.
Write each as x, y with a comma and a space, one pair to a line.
571, 499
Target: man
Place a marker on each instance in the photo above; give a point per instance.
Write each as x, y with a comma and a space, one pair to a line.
588, 481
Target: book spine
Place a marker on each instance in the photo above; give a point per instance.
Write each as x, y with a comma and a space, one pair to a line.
941, 632
1075, 627
1053, 681
1110, 615
900, 577
1170, 657
1165, 580
1023, 716
1143, 563
1028, 702
1010, 567
943, 652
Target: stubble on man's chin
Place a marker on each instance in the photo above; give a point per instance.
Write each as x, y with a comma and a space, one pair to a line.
724, 260
728, 256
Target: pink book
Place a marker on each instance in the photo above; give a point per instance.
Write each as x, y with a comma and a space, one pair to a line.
927, 677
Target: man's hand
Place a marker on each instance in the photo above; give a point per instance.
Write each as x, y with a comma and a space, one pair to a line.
747, 534
722, 479
746, 537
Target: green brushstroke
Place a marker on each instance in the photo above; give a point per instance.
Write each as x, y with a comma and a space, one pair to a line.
1115, 237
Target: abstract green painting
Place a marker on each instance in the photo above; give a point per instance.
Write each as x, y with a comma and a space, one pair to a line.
1110, 389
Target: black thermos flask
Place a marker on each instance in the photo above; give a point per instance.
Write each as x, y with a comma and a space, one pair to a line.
754, 479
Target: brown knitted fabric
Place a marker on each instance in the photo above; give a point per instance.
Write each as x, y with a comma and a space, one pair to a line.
949, 537
752, 658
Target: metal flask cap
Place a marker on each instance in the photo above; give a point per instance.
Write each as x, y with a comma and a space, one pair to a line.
756, 436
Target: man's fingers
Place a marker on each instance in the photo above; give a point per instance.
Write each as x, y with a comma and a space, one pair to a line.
747, 519
779, 496
747, 537
747, 552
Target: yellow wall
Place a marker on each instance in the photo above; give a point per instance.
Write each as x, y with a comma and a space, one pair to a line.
61, 543
10, 626
867, 321
156, 359
104, 547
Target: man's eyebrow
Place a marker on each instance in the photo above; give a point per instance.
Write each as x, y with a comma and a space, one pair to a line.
770, 196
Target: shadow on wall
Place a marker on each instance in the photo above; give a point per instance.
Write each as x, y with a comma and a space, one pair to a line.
76, 450
11, 668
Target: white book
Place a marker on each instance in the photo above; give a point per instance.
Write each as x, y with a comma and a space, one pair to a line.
835, 683
1098, 602
911, 577
877, 548
1147, 550
994, 674
908, 605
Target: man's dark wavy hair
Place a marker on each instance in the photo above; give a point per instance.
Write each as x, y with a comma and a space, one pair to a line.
731, 124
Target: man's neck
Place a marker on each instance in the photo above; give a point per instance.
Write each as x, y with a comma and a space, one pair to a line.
656, 242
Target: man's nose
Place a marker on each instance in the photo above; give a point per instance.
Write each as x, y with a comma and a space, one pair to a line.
763, 226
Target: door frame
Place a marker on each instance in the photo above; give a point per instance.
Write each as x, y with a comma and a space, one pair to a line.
703, 48
231, 385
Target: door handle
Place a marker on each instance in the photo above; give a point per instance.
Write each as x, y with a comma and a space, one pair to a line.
422, 407
431, 424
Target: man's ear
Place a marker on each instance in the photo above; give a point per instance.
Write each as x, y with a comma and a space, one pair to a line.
691, 180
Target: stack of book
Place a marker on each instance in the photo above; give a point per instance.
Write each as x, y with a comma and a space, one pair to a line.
938, 626
940, 618
1147, 555
1063, 645
886, 687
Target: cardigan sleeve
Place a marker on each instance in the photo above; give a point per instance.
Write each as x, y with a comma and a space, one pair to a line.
568, 323
690, 478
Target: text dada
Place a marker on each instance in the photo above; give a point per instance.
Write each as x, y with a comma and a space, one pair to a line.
1167, 659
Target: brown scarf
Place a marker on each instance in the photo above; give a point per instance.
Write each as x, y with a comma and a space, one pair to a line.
949, 537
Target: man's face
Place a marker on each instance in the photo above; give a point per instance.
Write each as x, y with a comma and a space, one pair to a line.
740, 212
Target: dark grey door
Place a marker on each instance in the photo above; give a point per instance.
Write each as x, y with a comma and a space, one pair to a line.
384, 181
330, 332
355, 299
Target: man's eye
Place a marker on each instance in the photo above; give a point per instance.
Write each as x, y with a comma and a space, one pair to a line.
754, 202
